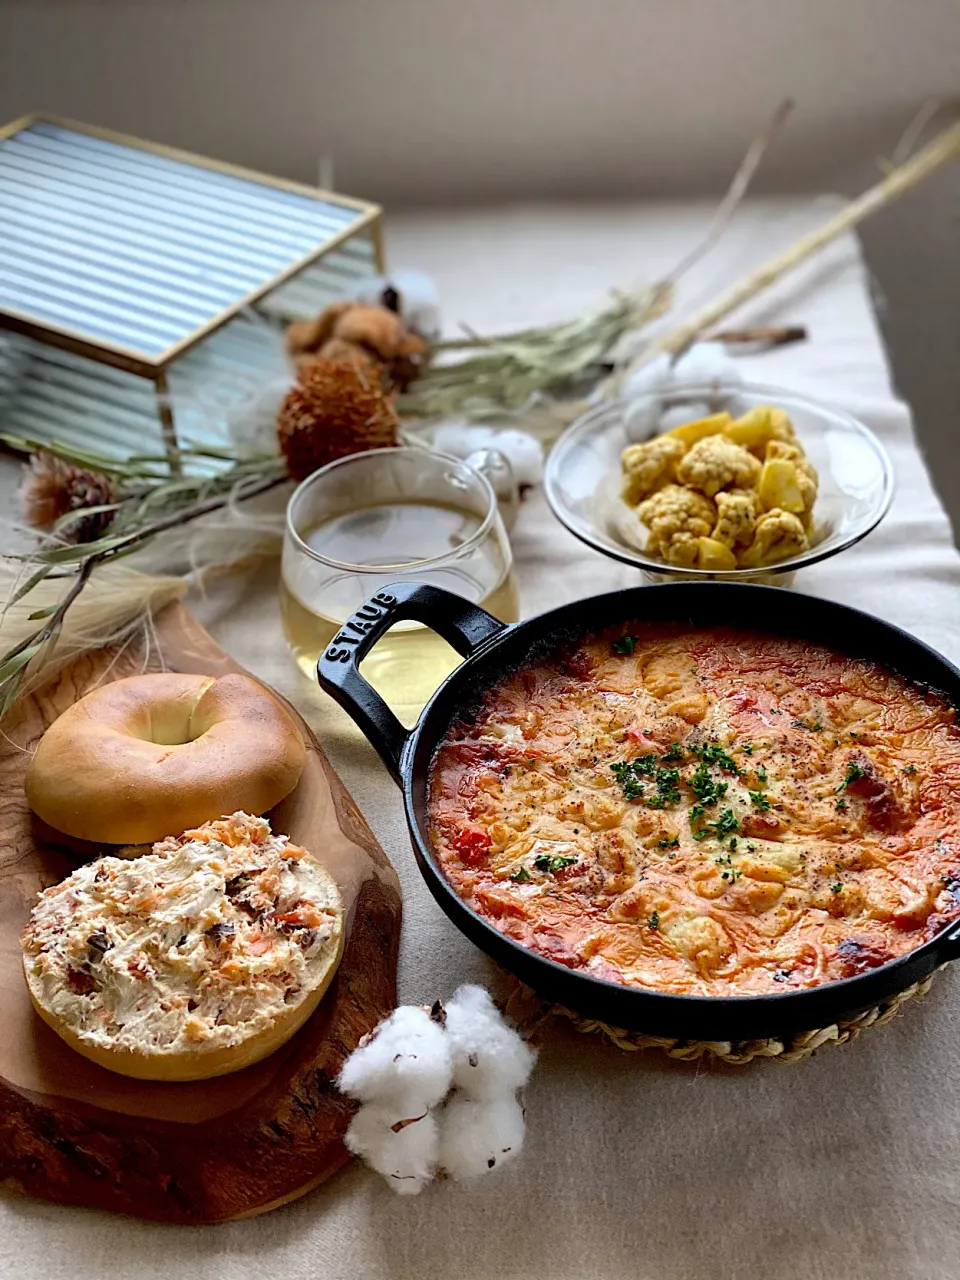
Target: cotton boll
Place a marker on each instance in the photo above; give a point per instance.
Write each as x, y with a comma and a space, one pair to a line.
642, 391
489, 1059
406, 1063
641, 419
704, 364
402, 1148
478, 1137
687, 411
460, 439
654, 376
524, 453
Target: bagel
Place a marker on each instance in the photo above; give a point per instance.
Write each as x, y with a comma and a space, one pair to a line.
193, 961
148, 756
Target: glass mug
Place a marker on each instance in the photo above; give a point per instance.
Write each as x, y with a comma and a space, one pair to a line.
389, 515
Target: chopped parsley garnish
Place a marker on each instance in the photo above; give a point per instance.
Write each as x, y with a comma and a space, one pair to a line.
626, 644
761, 773
697, 812
747, 748
725, 825
841, 804
724, 860
713, 753
910, 770
760, 800
673, 752
703, 786
733, 844
645, 764
836, 887
733, 875
552, 861
630, 784
668, 842
521, 876
854, 773
667, 790
815, 727
654, 921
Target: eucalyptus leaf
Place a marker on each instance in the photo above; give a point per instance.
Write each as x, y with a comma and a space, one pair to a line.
83, 550
19, 661
38, 614
27, 586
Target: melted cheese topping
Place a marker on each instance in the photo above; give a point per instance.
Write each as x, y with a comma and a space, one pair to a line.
712, 812
201, 943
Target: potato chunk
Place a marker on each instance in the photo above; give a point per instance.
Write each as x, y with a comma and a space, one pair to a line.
759, 425
779, 487
715, 555
700, 428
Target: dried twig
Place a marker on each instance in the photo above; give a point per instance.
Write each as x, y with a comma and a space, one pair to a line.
943, 149
737, 190
912, 134
769, 335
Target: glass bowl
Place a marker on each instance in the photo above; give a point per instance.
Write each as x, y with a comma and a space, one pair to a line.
582, 477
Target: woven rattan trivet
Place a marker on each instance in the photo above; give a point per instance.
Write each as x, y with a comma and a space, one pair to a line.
531, 1013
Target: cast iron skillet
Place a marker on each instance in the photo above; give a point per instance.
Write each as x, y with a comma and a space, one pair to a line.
492, 648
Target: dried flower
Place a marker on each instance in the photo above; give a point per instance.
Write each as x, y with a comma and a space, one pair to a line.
335, 409
52, 488
372, 337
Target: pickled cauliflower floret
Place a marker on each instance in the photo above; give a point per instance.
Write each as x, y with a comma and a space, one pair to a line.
648, 466
677, 519
777, 535
716, 463
737, 511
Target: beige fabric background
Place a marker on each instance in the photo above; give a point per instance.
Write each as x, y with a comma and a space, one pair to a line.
842, 1168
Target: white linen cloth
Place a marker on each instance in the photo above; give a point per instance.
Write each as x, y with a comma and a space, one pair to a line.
843, 1167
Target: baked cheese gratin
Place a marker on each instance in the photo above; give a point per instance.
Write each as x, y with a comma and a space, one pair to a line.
704, 811
192, 961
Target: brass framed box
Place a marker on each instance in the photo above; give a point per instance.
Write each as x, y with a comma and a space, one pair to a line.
143, 289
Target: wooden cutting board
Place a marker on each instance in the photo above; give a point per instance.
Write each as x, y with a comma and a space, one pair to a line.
215, 1149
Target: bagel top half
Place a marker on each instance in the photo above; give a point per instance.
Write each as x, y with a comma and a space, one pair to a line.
152, 755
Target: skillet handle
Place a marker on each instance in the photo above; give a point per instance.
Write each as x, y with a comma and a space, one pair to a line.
463, 625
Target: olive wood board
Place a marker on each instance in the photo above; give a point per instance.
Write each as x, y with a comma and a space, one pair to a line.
209, 1150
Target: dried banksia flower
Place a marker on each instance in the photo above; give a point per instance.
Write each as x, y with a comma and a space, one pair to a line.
334, 409
51, 488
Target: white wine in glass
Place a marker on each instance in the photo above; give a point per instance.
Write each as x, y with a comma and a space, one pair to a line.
385, 516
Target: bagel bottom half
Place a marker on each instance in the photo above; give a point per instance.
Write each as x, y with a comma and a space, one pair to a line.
193, 961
